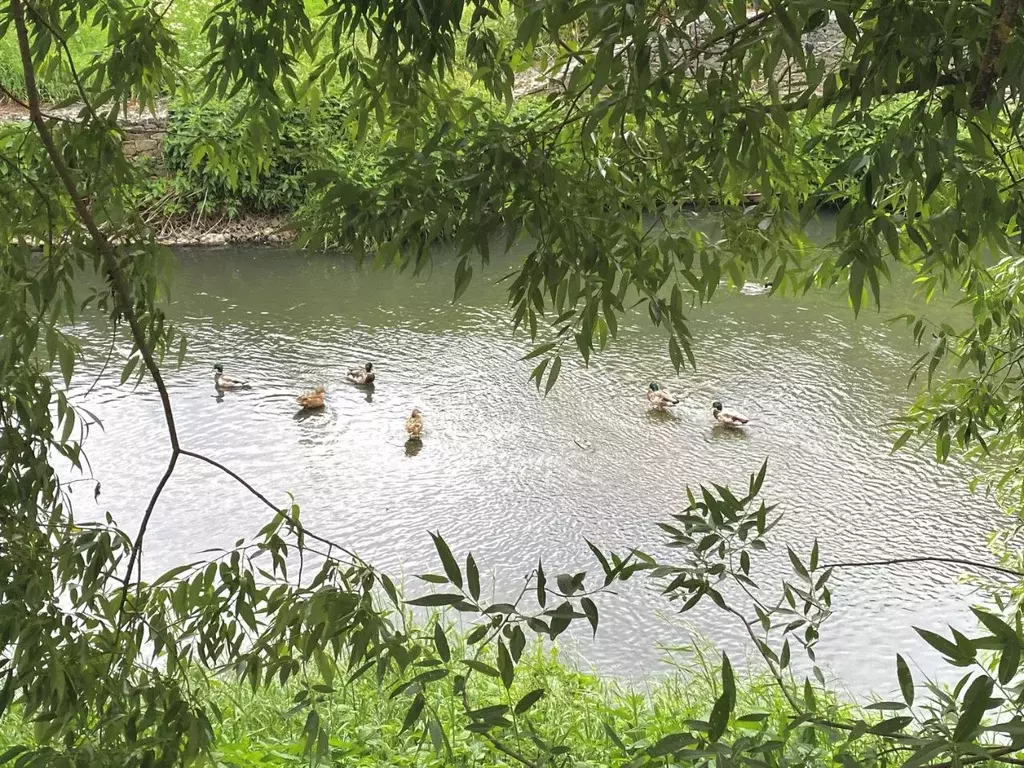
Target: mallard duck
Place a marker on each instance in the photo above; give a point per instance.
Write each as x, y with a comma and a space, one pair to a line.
364, 375
414, 424
727, 418
312, 400
661, 398
222, 382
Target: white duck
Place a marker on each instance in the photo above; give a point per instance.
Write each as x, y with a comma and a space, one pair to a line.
727, 418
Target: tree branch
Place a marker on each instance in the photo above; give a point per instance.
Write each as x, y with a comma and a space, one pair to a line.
120, 287
996, 754
1004, 14
291, 520
911, 560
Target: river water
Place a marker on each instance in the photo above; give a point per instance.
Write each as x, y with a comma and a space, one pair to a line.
514, 476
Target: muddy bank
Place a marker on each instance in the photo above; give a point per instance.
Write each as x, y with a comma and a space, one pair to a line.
251, 229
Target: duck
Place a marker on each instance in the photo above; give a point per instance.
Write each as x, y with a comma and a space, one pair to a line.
661, 398
312, 400
414, 424
727, 418
364, 375
222, 382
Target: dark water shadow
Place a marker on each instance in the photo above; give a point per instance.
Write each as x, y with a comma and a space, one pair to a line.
413, 446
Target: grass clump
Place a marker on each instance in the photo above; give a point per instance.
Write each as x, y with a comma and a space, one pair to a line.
596, 721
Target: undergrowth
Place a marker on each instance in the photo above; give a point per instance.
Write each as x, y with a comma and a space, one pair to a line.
600, 721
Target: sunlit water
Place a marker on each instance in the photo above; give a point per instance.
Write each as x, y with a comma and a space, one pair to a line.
514, 476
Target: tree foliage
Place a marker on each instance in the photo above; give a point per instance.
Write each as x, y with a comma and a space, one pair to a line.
659, 107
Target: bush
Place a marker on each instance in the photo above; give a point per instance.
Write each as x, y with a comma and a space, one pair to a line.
208, 152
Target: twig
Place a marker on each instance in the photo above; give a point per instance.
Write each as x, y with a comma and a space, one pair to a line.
911, 560
291, 520
10, 96
110, 352
1000, 754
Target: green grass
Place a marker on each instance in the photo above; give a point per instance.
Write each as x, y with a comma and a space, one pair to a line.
365, 724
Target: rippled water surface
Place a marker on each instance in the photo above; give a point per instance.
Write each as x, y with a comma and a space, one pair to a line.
514, 476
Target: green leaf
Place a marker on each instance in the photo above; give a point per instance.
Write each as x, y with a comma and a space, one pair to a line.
728, 682
995, 625
173, 573
891, 725
976, 703
556, 368
901, 441
12, 753
441, 643
479, 666
506, 666
435, 601
615, 738
758, 481
472, 577
591, 612
542, 595
719, 719
517, 643
451, 567
1009, 662
939, 643
857, 272
126, 372
529, 700
432, 578
797, 565
566, 584
538, 351
463, 276
906, 680
67, 362
412, 715
670, 744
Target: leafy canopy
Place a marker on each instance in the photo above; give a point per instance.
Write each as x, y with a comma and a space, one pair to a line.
656, 108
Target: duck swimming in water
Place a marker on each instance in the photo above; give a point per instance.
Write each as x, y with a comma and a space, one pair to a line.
222, 382
661, 398
727, 418
311, 401
414, 425
364, 375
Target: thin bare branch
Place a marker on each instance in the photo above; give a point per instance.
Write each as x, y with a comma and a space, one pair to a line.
912, 560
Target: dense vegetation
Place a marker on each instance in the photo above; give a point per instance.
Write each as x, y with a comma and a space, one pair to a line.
385, 126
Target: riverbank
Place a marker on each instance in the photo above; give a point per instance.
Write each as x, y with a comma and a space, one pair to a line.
247, 229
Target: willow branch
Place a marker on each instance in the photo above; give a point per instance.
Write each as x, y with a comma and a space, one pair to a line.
996, 754
912, 560
62, 40
120, 287
288, 518
1004, 15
